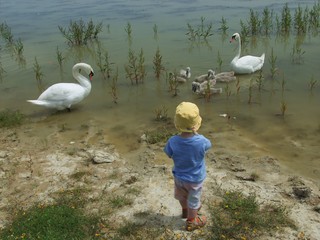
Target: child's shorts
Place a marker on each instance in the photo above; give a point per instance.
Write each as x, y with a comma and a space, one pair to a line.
188, 191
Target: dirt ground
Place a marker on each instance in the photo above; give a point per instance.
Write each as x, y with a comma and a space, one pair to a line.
32, 169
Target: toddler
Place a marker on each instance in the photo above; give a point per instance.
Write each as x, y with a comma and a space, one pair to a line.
188, 153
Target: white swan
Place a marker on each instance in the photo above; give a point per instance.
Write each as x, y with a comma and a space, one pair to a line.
246, 64
185, 73
61, 96
204, 77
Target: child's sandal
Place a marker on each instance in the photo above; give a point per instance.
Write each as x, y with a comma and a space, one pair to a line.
196, 223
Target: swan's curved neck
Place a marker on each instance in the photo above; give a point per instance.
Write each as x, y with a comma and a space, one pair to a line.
239, 47
84, 82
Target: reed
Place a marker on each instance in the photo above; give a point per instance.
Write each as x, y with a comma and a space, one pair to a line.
6, 33
104, 64
135, 69
128, 30
60, 57
223, 26
254, 22
312, 83
79, 33
297, 54
207, 92
238, 86
173, 83
38, 73
157, 64
245, 30
283, 108
201, 32
132, 67
286, 20
259, 81
155, 31
266, 22
227, 90
219, 61
314, 18
141, 65
2, 72
161, 113
250, 92
300, 20
18, 47
114, 87
273, 63
283, 85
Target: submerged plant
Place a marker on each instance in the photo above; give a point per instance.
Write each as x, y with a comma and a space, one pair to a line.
254, 22
273, 62
223, 26
155, 31
161, 113
283, 108
157, 64
286, 20
9, 118
312, 83
219, 61
201, 32
135, 69
173, 83
104, 64
114, 88
297, 54
38, 73
60, 57
2, 71
228, 90
266, 22
259, 81
79, 33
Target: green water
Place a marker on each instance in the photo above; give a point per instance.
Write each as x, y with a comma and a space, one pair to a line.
294, 139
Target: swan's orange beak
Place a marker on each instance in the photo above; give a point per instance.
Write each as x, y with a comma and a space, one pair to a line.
91, 75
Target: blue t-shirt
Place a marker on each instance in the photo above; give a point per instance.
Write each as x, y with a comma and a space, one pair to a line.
188, 157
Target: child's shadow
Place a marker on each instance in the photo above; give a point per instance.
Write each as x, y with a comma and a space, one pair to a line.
155, 220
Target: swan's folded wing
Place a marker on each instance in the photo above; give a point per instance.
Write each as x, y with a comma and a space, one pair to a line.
60, 91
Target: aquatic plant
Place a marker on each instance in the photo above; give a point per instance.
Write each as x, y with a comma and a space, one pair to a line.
173, 83
250, 92
286, 20
223, 26
6, 33
245, 30
104, 64
238, 85
312, 83
135, 69
128, 30
259, 80
60, 57
273, 62
2, 71
283, 108
79, 33
219, 61
297, 54
200, 32
300, 20
314, 18
266, 22
114, 87
155, 31
161, 113
157, 64
254, 22
38, 73
10, 118
228, 90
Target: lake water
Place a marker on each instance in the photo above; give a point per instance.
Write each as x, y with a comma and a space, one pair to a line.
294, 139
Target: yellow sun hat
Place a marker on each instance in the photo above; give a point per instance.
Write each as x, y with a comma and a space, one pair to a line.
187, 118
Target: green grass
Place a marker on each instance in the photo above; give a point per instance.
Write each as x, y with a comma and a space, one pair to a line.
9, 118
241, 217
51, 222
